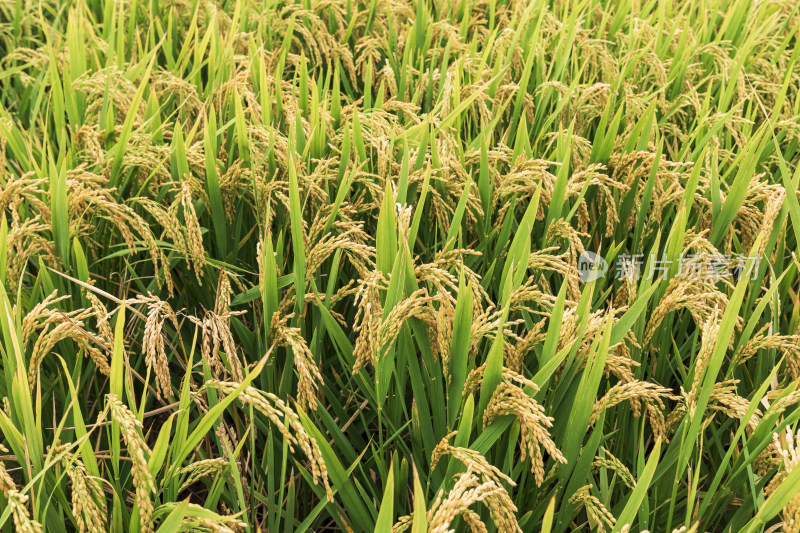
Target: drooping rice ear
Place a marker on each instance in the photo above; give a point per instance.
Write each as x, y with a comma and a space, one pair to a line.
131, 430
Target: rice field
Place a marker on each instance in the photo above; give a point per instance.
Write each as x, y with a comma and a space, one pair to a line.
401, 265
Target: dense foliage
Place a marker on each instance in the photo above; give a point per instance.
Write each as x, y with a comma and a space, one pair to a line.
325, 265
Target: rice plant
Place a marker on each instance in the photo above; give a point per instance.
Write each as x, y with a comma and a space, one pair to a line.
411, 265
